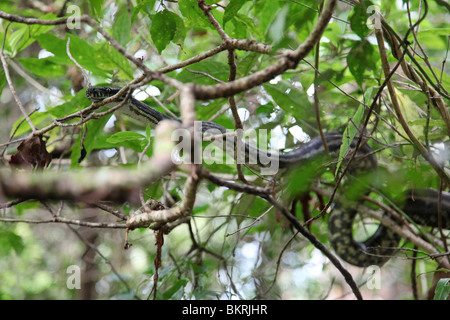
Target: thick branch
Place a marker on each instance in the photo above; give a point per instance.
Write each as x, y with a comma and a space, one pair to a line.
92, 185
145, 217
246, 188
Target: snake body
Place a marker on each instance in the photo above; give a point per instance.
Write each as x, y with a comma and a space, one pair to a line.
422, 206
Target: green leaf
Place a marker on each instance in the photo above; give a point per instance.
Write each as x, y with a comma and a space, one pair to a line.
43, 67
360, 58
358, 21
163, 29
244, 206
442, 291
289, 99
109, 59
210, 110
411, 112
424, 122
422, 34
277, 28
77, 103
44, 118
2, 79
216, 69
14, 39
145, 5
444, 78
27, 34
37, 118
299, 179
194, 16
180, 32
127, 139
56, 46
148, 131
122, 27
325, 76
268, 13
10, 241
444, 3
83, 52
124, 136
243, 25
247, 63
96, 6
37, 29
80, 50
94, 128
232, 9
176, 291
349, 134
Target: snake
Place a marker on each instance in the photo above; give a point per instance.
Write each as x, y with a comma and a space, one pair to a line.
427, 207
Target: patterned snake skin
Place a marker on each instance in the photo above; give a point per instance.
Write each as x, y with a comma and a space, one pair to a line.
420, 205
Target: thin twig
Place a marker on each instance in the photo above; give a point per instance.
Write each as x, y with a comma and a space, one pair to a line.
31, 81
11, 85
83, 71
250, 224
385, 63
69, 222
316, 93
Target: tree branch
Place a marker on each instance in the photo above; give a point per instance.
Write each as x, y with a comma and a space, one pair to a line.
68, 221
25, 20
288, 60
385, 63
145, 217
92, 185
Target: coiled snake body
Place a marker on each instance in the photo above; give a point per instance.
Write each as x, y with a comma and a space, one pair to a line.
422, 206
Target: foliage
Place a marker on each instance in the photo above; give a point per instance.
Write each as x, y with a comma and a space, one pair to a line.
442, 290
237, 245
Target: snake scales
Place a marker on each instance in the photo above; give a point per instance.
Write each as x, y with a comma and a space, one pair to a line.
421, 206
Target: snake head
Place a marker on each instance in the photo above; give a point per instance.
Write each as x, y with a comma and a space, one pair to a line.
99, 93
